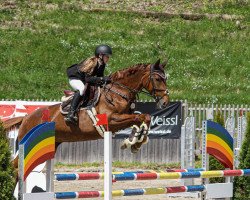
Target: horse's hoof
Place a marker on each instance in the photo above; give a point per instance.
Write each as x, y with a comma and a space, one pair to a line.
124, 146
134, 149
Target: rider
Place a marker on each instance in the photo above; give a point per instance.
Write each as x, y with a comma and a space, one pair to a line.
90, 71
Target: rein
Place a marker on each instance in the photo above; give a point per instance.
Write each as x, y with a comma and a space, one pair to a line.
137, 92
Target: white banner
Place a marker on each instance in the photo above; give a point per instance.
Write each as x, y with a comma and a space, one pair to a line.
10, 109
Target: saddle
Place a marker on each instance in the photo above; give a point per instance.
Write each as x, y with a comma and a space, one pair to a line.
92, 95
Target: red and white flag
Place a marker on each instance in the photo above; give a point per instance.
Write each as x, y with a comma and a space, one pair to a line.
102, 119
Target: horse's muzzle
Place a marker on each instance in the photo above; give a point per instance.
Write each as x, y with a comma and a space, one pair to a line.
162, 103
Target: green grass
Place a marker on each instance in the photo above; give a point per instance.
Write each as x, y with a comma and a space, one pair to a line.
208, 59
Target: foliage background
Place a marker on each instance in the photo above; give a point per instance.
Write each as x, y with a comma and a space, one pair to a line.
242, 184
208, 58
6, 168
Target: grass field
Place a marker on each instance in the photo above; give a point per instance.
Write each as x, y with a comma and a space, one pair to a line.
208, 59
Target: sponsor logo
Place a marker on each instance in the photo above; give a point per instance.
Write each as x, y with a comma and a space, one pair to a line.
164, 121
160, 131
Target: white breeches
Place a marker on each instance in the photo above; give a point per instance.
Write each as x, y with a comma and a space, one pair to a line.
77, 85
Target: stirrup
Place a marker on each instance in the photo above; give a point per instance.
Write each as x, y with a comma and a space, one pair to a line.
71, 119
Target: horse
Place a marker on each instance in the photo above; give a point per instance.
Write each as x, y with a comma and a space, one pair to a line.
115, 100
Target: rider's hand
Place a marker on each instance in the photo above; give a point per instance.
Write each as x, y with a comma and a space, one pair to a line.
106, 79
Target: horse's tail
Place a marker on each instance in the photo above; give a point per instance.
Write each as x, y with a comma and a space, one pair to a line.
16, 121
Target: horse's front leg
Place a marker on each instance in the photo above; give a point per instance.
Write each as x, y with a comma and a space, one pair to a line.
140, 125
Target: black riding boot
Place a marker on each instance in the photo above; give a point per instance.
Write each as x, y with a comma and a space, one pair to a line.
72, 115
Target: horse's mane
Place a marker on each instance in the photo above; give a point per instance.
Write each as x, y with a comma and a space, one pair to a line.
120, 74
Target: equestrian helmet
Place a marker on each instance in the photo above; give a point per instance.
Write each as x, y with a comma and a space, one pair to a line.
103, 49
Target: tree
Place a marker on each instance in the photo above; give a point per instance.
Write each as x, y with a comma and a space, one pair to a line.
6, 168
242, 184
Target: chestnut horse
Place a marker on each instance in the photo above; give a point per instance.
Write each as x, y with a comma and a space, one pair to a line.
115, 100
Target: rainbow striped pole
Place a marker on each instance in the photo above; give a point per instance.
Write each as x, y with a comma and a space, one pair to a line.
128, 176
181, 175
130, 192
96, 176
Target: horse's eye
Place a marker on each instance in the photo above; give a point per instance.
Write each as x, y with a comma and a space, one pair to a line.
158, 79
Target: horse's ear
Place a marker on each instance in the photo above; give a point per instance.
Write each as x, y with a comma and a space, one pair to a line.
157, 63
164, 63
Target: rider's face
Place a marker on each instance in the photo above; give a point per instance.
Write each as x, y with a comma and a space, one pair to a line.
105, 58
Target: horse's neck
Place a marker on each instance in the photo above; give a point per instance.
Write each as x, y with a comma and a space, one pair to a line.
133, 82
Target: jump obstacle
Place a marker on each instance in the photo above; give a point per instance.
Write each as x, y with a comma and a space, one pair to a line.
212, 190
131, 192
98, 176
133, 176
38, 146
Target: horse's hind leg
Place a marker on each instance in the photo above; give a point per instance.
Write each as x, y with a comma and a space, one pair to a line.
141, 123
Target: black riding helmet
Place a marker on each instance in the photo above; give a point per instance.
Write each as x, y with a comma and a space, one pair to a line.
103, 49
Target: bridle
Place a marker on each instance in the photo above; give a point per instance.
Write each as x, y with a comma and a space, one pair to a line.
135, 92
161, 74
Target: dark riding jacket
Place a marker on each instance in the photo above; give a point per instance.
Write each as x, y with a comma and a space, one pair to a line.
88, 71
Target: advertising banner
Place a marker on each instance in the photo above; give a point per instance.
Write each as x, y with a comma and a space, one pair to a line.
165, 123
